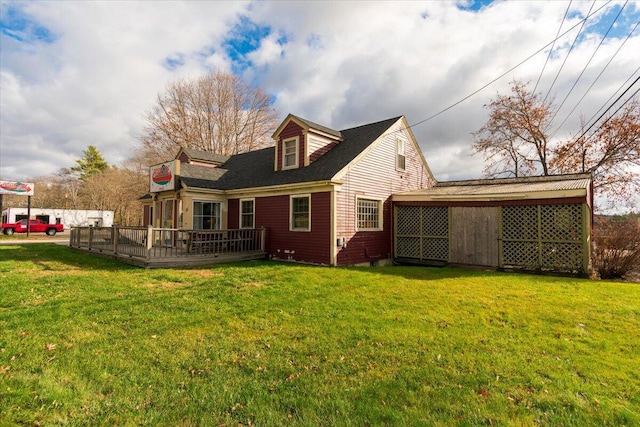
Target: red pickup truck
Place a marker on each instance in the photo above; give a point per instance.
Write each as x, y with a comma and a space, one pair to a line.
35, 226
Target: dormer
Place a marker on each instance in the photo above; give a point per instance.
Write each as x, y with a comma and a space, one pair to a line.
201, 158
299, 142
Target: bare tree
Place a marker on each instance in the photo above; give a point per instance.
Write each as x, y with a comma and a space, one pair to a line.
515, 142
514, 139
611, 154
216, 112
116, 189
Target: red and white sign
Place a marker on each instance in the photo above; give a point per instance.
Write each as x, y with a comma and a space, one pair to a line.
162, 177
17, 188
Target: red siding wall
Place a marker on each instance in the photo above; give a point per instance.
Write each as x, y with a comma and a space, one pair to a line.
303, 246
184, 158
291, 131
146, 216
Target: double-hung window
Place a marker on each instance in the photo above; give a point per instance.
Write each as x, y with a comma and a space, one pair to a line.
290, 153
247, 214
300, 213
206, 215
400, 159
368, 214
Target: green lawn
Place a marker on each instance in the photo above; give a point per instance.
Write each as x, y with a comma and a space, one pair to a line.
89, 341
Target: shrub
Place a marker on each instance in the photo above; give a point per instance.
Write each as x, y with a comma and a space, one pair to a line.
616, 251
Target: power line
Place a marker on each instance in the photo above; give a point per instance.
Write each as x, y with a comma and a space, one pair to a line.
508, 71
575, 40
613, 94
597, 78
566, 12
588, 62
611, 106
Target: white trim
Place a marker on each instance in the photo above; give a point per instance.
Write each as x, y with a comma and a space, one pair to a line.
334, 228
296, 140
380, 213
277, 155
253, 213
305, 136
298, 196
284, 189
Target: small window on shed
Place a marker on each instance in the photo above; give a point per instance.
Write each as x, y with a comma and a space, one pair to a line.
400, 159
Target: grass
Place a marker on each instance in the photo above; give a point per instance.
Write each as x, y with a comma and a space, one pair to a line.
89, 341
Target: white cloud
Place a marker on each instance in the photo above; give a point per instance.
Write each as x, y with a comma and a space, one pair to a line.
338, 64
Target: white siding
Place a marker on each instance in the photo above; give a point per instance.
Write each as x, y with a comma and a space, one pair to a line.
376, 176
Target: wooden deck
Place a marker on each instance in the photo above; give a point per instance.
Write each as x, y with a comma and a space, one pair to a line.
149, 247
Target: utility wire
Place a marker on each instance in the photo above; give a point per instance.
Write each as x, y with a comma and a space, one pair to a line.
575, 40
566, 12
611, 106
612, 96
508, 71
588, 62
597, 78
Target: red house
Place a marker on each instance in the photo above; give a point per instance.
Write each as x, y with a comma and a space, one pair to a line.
323, 196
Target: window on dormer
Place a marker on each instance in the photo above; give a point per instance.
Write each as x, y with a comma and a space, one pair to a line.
400, 159
290, 153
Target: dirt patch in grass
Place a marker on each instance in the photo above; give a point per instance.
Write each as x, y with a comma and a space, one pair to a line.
165, 285
206, 274
250, 285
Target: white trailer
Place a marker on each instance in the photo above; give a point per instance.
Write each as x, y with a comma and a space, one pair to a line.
68, 217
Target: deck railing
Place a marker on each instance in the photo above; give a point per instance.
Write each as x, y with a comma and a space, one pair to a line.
150, 243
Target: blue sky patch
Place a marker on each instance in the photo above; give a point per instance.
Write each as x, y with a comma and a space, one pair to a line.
244, 38
626, 21
174, 61
314, 41
16, 24
474, 5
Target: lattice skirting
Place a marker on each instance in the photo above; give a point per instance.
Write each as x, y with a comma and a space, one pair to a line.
531, 237
422, 232
546, 237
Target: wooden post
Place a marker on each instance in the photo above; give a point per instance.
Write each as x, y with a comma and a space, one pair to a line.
114, 238
149, 240
587, 228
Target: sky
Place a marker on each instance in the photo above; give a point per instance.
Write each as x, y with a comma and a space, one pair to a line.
80, 73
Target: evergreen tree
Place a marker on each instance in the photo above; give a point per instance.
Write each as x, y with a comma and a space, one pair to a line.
90, 164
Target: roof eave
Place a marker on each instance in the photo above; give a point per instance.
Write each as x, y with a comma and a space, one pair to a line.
536, 195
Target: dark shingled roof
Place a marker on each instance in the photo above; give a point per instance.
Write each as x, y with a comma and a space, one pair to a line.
316, 126
205, 156
256, 168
